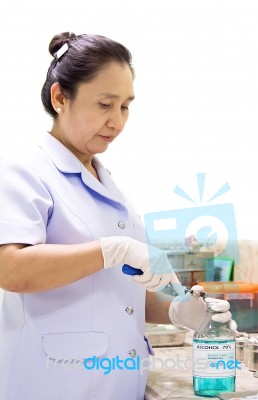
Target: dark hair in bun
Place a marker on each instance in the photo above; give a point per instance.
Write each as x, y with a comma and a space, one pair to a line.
58, 41
79, 59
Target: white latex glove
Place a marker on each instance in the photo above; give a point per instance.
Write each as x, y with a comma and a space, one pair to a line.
191, 310
157, 270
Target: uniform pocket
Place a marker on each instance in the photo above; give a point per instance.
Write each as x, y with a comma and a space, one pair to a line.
75, 345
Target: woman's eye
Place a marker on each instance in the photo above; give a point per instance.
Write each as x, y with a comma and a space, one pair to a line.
107, 106
104, 105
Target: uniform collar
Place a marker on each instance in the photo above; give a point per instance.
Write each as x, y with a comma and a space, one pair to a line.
66, 162
63, 158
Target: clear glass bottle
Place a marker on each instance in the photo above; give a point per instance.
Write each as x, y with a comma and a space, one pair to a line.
214, 358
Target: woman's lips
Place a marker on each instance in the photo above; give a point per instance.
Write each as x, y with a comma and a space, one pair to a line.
107, 138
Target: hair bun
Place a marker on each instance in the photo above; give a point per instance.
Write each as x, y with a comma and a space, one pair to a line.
58, 41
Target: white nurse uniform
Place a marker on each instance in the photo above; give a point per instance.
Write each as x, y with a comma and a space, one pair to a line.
50, 197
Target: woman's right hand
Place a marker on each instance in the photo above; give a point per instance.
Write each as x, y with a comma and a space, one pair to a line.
157, 270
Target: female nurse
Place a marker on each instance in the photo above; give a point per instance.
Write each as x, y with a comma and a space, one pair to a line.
72, 324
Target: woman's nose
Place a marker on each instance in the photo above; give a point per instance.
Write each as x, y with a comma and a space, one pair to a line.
116, 120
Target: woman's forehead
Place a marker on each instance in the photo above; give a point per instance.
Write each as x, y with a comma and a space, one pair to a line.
113, 82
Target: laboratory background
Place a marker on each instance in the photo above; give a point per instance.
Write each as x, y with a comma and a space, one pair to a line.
191, 138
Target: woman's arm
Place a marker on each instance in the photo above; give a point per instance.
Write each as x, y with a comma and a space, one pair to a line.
156, 309
29, 269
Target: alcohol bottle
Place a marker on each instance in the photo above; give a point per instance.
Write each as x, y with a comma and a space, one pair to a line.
214, 358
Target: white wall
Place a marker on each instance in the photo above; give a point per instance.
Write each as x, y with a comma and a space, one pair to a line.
196, 92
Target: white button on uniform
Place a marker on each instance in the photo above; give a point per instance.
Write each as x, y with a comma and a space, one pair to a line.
121, 224
129, 310
132, 353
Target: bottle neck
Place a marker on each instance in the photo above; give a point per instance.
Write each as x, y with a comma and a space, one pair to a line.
213, 328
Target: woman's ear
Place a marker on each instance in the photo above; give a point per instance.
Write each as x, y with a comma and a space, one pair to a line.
57, 97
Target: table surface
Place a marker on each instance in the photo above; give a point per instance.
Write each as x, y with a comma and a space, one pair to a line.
170, 375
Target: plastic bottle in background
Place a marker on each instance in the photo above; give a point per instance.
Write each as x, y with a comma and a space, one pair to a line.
214, 358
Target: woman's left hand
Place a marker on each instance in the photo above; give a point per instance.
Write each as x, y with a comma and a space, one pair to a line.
191, 310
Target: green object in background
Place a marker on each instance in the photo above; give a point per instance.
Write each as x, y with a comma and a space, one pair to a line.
221, 269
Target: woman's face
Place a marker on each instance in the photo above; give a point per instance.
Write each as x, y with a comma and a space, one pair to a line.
97, 115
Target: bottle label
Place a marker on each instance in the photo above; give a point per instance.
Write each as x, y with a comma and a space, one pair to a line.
214, 358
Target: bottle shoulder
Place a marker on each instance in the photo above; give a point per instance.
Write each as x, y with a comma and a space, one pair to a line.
215, 330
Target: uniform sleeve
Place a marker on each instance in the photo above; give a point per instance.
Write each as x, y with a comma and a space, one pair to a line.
25, 205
